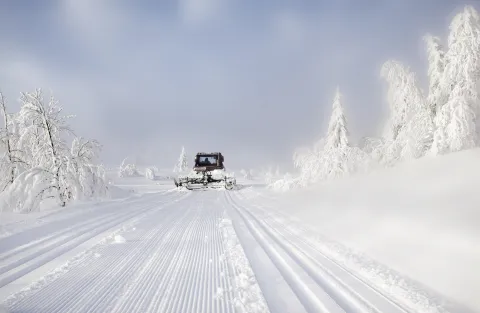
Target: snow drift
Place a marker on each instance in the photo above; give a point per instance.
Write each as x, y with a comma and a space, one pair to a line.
421, 218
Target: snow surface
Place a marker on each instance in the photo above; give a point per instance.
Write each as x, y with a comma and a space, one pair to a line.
380, 242
421, 218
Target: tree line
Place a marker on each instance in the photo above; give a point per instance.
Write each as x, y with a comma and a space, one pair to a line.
444, 119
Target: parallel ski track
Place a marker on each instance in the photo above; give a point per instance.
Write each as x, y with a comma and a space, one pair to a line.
55, 220
301, 236
173, 264
20, 261
60, 215
103, 217
349, 292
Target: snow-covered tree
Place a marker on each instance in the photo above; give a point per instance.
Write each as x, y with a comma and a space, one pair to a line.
285, 184
337, 134
331, 156
128, 169
399, 94
409, 129
45, 165
7, 161
182, 163
308, 162
460, 86
87, 179
436, 70
46, 124
338, 157
150, 173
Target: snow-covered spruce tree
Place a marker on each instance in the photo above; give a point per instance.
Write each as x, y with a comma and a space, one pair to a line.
332, 156
182, 163
457, 120
409, 129
335, 157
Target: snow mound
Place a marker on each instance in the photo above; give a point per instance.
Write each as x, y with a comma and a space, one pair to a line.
248, 295
285, 184
119, 239
23, 194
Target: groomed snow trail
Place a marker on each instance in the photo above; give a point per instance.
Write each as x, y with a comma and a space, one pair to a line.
320, 283
202, 251
174, 258
22, 253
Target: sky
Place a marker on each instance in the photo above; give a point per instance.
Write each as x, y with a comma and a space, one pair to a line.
251, 79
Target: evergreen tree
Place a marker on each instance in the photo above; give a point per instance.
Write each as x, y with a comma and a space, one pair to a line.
182, 164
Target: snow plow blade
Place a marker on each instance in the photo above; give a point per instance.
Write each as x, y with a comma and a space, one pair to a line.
209, 186
205, 184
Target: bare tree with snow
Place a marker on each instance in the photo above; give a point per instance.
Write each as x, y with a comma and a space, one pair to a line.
182, 163
87, 179
48, 126
45, 165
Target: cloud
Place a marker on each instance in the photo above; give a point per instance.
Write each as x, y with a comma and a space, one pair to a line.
201, 11
97, 24
289, 27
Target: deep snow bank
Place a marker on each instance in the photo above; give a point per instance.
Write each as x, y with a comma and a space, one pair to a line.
421, 218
